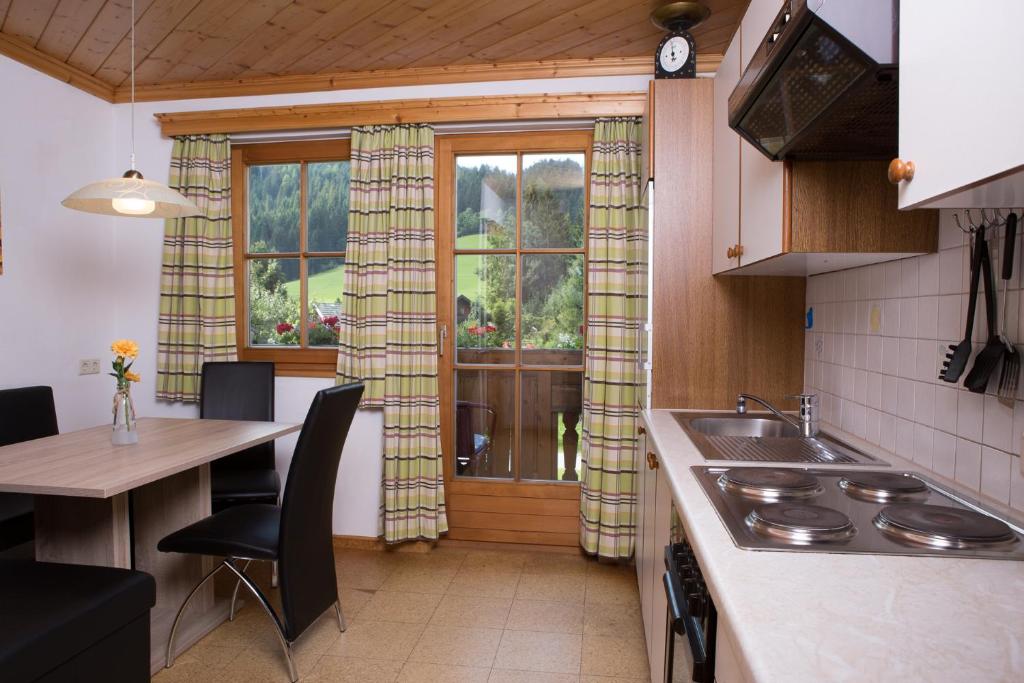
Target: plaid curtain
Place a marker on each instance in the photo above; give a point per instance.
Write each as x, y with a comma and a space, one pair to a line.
615, 310
197, 294
388, 322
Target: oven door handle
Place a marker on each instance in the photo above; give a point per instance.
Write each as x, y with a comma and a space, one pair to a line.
685, 624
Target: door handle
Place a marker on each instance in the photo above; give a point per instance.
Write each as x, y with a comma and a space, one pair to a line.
442, 339
652, 461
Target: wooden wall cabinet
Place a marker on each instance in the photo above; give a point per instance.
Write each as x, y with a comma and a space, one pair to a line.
960, 104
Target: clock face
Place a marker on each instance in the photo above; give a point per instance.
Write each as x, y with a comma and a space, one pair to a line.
674, 53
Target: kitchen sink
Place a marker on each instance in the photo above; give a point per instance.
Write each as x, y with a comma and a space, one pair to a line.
762, 437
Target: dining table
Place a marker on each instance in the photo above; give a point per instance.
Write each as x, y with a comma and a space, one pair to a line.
101, 504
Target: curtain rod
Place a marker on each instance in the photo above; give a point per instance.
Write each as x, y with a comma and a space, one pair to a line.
439, 129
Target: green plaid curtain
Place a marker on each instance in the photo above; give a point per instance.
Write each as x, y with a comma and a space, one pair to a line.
388, 322
608, 494
197, 294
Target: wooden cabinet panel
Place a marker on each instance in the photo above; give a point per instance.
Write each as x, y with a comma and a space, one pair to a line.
955, 139
726, 173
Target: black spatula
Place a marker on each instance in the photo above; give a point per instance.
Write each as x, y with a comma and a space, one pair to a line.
959, 354
985, 363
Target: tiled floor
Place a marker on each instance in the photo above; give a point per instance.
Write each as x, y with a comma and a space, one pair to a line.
447, 615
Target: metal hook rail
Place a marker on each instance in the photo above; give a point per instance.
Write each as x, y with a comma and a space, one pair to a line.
997, 219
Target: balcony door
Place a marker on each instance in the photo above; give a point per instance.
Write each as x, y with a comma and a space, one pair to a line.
511, 225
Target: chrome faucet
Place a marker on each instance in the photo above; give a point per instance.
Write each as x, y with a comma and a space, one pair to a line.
808, 415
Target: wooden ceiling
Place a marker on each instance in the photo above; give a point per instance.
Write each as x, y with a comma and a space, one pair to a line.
206, 48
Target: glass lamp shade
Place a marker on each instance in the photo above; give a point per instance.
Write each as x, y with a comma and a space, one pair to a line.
131, 195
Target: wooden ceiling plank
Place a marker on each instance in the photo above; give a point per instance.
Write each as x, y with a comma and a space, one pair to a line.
27, 19
356, 36
389, 50
448, 110
266, 38
109, 27
589, 17
242, 27
310, 37
5, 5
151, 27
70, 20
29, 56
473, 73
630, 17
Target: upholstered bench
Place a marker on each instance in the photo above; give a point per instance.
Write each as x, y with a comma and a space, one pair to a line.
65, 622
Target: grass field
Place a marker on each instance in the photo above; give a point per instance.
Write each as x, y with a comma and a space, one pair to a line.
324, 287
467, 280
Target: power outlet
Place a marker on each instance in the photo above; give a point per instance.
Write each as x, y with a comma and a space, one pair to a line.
89, 366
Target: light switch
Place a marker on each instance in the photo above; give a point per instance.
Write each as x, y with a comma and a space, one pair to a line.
89, 366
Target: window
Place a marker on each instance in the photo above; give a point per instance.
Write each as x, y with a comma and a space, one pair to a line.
513, 250
290, 223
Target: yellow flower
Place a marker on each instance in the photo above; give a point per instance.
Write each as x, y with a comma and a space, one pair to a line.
132, 376
125, 347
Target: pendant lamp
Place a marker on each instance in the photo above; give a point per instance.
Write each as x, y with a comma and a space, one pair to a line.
131, 194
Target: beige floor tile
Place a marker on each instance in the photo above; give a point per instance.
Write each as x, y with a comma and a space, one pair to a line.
505, 676
484, 583
425, 672
557, 587
545, 616
610, 656
557, 563
531, 651
456, 645
353, 600
188, 672
365, 570
210, 656
622, 620
420, 577
612, 586
260, 665
499, 560
611, 679
378, 640
331, 669
472, 611
407, 608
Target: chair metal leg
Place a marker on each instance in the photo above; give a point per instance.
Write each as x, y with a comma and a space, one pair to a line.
234, 593
254, 589
273, 574
181, 611
341, 617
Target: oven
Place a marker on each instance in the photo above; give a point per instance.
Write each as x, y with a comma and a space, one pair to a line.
692, 619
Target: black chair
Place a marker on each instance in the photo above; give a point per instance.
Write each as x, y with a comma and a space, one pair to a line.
64, 622
241, 391
297, 534
26, 413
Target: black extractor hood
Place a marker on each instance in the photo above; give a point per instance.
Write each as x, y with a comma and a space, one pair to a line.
823, 84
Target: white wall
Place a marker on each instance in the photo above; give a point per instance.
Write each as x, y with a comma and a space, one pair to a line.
60, 286
138, 260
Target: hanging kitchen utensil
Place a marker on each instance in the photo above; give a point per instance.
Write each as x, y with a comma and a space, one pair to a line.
1010, 373
959, 354
986, 361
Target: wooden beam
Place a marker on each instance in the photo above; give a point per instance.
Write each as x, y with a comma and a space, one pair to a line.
441, 110
382, 78
29, 56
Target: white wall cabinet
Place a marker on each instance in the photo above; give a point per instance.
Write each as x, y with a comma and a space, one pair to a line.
725, 190
654, 520
961, 98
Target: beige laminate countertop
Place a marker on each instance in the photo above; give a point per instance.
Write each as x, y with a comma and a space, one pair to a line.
797, 617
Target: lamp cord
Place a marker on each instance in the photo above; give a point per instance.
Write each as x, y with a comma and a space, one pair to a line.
132, 69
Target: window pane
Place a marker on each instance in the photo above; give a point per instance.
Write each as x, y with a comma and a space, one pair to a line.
484, 418
327, 206
273, 302
553, 200
485, 202
485, 308
273, 196
324, 300
552, 315
551, 413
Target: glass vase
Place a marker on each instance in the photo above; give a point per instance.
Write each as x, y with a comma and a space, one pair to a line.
124, 430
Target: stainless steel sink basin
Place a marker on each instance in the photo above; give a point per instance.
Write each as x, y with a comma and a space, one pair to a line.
762, 437
743, 426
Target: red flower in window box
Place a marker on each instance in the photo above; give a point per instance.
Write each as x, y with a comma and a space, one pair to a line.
331, 321
282, 328
490, 328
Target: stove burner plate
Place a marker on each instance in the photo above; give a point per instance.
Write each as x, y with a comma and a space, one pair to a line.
883, 487
936, 526
800, 523
769, 483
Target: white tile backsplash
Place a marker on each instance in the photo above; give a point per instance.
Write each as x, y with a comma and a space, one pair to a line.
881, 334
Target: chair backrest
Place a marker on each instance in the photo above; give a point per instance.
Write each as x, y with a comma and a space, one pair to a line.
239, 391
26, 413
306, 552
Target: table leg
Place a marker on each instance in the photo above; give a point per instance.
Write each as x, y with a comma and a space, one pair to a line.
90, 531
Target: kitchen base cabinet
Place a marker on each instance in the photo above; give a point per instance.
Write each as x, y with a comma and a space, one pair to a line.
654, 510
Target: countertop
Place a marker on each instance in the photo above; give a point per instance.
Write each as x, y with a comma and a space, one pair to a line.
828, 617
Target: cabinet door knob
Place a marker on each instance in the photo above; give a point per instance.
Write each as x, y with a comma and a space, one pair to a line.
652, 461
641, 431
900, 170
730, 252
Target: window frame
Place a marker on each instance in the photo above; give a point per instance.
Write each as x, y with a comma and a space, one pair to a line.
301, 361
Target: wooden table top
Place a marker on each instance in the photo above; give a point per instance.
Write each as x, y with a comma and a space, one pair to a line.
86, 464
